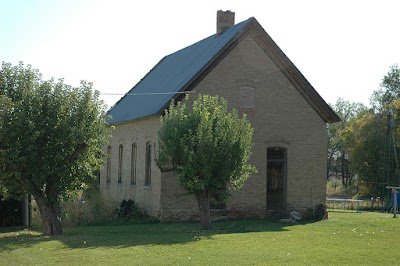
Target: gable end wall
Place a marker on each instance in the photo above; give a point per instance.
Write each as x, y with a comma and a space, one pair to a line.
280, 117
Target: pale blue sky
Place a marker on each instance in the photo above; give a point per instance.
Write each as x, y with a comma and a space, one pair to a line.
342, 47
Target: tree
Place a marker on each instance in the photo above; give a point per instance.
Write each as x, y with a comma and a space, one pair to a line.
389, 89
364, 140
50, 138
208, 148
338, 157
370, 139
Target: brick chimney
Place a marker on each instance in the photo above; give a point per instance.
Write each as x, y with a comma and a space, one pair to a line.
225, 20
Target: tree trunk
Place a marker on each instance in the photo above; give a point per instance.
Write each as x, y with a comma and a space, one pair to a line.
203, 200
50, 215
343, 171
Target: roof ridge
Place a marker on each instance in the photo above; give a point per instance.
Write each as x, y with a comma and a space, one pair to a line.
213, 35
178, 71
172, 73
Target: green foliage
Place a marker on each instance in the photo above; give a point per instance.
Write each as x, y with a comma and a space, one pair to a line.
337, 150
50, 136
336, 189
208, 146
362, 142
389, 90
364, 139
369, 139
129, 211
317, 213
93, 210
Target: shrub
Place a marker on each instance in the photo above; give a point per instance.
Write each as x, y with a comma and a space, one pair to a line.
94, 210
318, 213
129, 210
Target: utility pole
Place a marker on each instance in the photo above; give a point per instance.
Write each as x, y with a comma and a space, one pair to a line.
391, 130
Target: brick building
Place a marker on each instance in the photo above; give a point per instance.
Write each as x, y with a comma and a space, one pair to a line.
244, 65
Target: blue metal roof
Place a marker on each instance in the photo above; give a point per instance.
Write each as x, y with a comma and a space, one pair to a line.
171, 75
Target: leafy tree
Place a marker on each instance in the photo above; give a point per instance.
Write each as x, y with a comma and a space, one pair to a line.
364, 140
389, 89
208, 148
370, 139
338, 157
50, 138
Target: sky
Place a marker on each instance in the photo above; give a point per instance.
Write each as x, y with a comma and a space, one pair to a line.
343, 47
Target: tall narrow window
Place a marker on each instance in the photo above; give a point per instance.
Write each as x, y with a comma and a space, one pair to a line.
133, 164
147, 181
120, 153
108, 173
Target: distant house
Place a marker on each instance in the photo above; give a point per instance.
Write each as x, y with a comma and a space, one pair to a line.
244, 65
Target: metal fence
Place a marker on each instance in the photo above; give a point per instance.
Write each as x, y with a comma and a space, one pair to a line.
355, 205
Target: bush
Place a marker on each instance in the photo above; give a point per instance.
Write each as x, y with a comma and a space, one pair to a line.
318, 213
128, 211
94, 210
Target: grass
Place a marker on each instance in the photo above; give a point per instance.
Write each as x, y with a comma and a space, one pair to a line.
335, 189
344, 239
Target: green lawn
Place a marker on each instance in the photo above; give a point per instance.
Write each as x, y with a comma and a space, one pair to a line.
344, 239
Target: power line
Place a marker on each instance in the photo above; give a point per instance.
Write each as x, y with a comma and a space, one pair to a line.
148, 93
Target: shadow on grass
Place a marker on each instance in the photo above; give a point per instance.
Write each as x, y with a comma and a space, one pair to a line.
15, 238
137, 234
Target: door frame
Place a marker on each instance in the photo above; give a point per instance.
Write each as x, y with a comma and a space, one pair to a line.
283, 160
